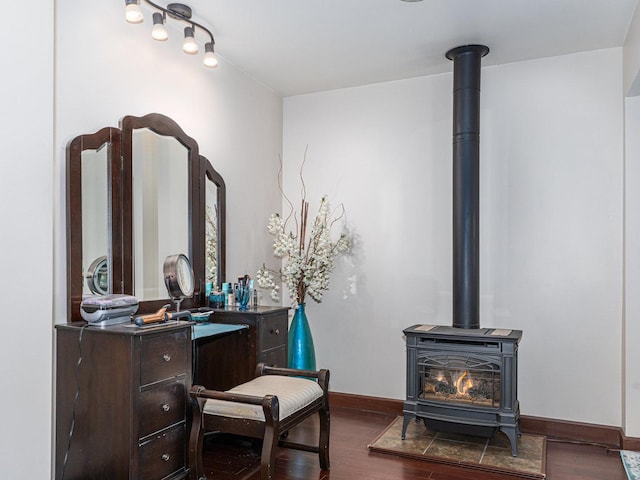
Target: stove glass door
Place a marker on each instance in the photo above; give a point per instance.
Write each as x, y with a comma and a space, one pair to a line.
455, 378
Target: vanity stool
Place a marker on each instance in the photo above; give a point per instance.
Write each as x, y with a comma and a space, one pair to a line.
267, 407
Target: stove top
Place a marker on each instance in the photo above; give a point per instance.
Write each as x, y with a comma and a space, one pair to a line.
448, 331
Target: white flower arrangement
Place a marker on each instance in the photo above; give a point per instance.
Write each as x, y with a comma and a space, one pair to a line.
307, 262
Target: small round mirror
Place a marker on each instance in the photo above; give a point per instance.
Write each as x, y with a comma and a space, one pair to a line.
178, 277
98, 276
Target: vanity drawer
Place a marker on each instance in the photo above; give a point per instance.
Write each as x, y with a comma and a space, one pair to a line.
163, 454
272, 332
164, 356
161, 406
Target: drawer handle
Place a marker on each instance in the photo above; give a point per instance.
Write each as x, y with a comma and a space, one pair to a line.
166, 457
276, 331
166, 407
166, 357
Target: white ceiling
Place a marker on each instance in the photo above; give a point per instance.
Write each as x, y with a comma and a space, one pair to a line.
303, 46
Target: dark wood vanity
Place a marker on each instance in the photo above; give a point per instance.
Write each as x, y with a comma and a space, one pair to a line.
121, 401
121, 390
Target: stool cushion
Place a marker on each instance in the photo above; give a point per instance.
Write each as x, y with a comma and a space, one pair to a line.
293, 394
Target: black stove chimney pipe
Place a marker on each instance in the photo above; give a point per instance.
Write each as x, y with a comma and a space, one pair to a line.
466, 184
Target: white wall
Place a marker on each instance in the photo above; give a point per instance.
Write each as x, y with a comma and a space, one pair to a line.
631, 325
26, 193
631, 421
551, 224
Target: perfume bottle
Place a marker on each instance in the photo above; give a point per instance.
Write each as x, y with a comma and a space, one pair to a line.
254, 294
225, 292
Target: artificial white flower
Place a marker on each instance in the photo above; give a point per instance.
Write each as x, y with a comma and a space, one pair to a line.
307, 262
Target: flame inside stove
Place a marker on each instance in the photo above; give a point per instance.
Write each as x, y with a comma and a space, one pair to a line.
460, 384
463, 384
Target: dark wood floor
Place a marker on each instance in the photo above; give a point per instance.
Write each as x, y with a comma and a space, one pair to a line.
353, 430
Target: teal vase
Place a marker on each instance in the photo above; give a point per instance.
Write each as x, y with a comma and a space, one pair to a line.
302, 355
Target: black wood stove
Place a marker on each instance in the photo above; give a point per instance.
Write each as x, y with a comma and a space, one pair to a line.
464, 378
463, 381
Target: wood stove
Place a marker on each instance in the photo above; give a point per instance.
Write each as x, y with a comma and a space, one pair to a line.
463, 381
464, 378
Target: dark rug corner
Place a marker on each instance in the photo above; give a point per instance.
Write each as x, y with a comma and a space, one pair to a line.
492, 454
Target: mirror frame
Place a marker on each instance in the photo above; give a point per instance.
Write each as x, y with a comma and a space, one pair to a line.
120, 183
208, 173
167, 127
75, 275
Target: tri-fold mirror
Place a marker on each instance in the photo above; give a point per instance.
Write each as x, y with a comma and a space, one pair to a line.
136, 195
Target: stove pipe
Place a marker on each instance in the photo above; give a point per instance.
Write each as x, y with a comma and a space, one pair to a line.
466, 184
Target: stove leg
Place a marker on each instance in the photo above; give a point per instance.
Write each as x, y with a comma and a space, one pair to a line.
513, 433
405, 423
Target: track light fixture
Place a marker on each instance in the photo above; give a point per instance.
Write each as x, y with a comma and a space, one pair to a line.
210, 59
158, 32
190, 45
176, 11
132, 11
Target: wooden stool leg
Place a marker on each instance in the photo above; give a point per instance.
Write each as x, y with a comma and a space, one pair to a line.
271, 408
196, 441
268, 458
323, 445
